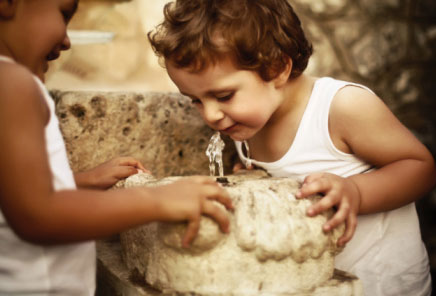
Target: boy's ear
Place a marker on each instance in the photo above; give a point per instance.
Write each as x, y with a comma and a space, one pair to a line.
7, 8
283, 77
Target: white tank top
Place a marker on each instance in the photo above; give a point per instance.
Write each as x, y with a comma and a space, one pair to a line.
47, 270
386, 251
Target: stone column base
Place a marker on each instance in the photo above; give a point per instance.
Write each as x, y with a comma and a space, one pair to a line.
113, 278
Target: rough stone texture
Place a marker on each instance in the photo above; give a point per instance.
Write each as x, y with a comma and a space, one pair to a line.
115, 279
273, 248
164, 131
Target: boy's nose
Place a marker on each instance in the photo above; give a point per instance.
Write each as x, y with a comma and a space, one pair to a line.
212, 112
66, 43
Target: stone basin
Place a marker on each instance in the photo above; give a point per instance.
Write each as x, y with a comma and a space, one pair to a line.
273, 247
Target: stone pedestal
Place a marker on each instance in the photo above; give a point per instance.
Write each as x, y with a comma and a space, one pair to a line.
273, 247
114, 278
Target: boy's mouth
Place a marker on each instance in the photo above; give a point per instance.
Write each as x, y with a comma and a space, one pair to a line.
229, 129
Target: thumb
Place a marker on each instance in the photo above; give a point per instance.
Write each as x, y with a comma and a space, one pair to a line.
238, 166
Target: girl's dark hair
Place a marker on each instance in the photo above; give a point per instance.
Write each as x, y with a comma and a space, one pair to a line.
258, 35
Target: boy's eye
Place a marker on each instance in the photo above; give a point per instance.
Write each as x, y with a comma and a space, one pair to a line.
224, 98
195, 101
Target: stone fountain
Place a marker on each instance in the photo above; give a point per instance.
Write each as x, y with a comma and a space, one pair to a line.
273, 248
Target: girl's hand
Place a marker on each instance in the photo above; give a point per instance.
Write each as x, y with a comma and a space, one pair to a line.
189, 199
338, 192
108, 173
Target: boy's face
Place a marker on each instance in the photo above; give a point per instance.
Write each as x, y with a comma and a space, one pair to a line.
40, 32
235, 102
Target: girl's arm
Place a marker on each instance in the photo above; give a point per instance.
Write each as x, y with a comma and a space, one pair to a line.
39, 214
108, 173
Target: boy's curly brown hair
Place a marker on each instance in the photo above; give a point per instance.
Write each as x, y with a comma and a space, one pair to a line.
258, 35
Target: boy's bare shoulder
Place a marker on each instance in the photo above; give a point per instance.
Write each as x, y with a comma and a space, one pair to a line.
356, 102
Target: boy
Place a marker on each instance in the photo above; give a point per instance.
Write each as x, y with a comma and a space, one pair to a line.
242, 62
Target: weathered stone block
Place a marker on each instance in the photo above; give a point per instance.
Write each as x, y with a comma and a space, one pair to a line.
162, 130
273, 247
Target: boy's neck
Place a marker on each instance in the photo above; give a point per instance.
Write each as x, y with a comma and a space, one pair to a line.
295, 95
275, 138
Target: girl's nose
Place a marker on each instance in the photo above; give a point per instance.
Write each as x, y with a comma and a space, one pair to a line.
212, 112
66, 43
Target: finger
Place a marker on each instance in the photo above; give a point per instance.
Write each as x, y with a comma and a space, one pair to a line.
349, 230
338, 218
219, 194
131, 161
312, 177
124, 172
320, 185
191, 231
144, 171
203, 180
238, 166
141, 169
218, 214
325, 203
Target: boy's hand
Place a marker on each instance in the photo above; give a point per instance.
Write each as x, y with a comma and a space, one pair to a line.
240, 166
108, 173
338, 192
189, 199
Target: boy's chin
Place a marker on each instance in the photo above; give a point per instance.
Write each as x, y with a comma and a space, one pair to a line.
237, 138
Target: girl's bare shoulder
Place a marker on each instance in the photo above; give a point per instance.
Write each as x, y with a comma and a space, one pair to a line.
16, 81
20, 93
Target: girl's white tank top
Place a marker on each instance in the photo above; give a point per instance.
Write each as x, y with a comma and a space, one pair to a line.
386, 251
25, 268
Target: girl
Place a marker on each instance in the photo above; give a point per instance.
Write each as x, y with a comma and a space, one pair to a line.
46, 224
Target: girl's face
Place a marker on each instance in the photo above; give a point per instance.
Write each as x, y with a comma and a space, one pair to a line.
235, 102
40, 32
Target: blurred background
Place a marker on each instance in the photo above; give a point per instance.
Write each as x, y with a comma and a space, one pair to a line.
388, 45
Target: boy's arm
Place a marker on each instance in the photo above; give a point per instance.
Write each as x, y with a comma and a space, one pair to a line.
39, 214
405, 168
360, 123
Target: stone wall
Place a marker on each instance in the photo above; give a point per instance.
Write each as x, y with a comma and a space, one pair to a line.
386, 45
121, 62
162, 130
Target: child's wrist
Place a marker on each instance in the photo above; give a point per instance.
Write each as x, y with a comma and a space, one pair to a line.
152, 203
84, 180
358, 194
